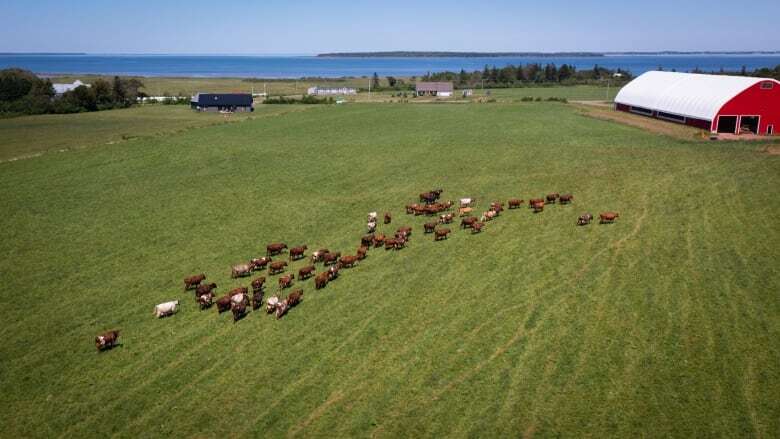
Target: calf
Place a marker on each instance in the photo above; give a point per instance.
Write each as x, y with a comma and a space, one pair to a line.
318, 255
106, 340
241, 270
441, 234
467, 222
298, 252
566, 198
286, 281
257, 284
552, 197
379, 240
362, 252
321, 280
259, 263
348, 261
257, 300
166, 309
239, 311
331, 258
275, 248
205, 301
367, 240
514, 203
388, 218
205, 289
608, 217
477, 227
306, 272
193, 281
584, 219
223, 304
446, 218
277, 267
429, 227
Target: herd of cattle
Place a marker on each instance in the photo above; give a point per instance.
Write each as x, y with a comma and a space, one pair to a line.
239, 300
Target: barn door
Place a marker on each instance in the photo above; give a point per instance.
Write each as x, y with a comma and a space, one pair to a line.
727, 124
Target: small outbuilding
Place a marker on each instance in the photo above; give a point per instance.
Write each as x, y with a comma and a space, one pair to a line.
441, 89
222, 102
60, 89
718, 103
331, 91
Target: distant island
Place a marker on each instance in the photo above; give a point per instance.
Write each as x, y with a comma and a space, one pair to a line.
416, 54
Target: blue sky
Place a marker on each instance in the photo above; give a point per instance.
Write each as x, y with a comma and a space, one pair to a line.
306, 27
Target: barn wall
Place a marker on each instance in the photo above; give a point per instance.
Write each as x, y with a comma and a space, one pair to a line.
756, 101
698, 123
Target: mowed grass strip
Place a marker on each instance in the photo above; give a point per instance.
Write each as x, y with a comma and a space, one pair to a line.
664, 323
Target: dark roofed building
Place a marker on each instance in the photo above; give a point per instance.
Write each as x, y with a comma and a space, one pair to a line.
222, 102
443, 89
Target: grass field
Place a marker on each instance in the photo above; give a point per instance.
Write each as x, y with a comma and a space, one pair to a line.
666, 323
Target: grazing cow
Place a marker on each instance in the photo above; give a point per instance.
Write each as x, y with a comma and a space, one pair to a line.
379, 240
390, 243
441, 234
321, 280
275, 248
446, 218
372, 217
260, 263
467, 222
277, 267
371, 227
223, 303
205, 289
241, 270
608, 217
463, 211
362, 251
367, 240
292, 300
318, 255
399, 243
331, 258
257, 284
193, 281
333, 272
515, 203
552, 197
488, 216
298, 252
166, 309
257, 300
477, 227
242, 298
239, 311
538, 207
406, 230
584, 219
271, 305
430, 227
205, 301
388, 218
466, 202
411, 208
448, 205
533, 201
286, 281
238, 290
428, 197
566, 198
106, 340
306, 272
497, 206
348, 261
281, 308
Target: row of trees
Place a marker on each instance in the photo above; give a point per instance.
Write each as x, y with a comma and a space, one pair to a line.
520, 75
22, 92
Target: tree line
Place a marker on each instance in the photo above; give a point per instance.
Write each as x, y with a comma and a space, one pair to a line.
22, 92
532, 73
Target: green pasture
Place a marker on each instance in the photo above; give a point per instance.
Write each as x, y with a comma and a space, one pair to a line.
664, 324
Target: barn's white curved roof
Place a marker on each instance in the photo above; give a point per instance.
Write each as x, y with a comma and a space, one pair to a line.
684, 94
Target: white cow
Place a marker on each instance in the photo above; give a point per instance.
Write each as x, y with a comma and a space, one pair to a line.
270, 305
465, 202
372, 217
166, 309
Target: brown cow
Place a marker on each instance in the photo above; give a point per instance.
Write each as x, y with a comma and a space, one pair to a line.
277, 267
552, 197
306, 272
515, 203
538, 207
467, 222
362, 252
430, 227
257, 284
379, 240
333, 272
106, 340
293, 299
367, 240
238, 290
205, 289
275, 248
446, 218
477, 227
206, 300
318, 255
497, 206
321, 280
405, 230
239, 311
420, 210
388, 218
257, 300
348, 261
463, 211
223, 304
608, 217
286, 281
411, 208
331, 258
566, 198
193, 281
428, 197
298, 252
441, 234
533, 201
259, 263
584, 219
390, 243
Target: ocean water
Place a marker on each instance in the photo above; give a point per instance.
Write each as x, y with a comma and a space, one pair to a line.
311, 66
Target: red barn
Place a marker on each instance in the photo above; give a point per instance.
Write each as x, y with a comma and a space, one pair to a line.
718, 103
